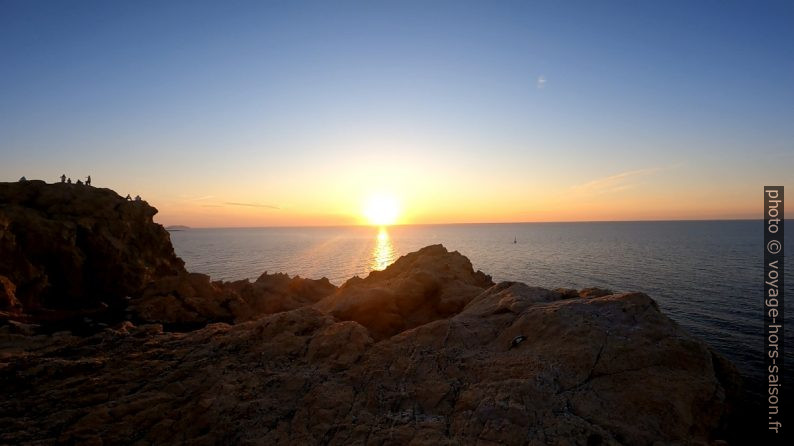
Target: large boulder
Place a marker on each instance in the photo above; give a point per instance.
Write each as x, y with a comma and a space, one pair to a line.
418, 288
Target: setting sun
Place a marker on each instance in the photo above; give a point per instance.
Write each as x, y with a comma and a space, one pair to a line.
381, 210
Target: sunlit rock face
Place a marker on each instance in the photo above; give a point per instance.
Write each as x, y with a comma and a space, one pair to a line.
418, 288
69, 246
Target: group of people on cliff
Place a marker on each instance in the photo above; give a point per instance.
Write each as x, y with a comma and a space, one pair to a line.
66, 180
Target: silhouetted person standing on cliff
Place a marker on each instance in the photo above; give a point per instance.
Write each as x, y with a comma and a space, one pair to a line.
63, 178
80, 182
128, 198
69, 181
137, 198
88, 181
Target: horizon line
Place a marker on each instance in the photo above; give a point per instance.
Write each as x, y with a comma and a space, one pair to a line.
464, 223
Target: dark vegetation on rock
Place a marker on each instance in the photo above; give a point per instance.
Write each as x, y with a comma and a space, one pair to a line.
423, 352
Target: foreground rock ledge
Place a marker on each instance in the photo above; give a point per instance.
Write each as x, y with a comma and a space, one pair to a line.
604, 370
426, 352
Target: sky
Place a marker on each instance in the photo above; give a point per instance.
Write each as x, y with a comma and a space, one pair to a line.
274, 113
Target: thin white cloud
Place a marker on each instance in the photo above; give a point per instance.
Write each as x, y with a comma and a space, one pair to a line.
614, 183
194, 198
254, 205
541, 82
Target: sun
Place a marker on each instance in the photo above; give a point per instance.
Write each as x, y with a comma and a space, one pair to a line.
381, 210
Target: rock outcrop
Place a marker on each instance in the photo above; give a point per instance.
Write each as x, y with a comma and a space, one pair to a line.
418, 288
274, 293
73, 247
427, 351
192, 300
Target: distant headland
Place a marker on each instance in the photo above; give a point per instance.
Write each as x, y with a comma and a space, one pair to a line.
106, 338
177, 228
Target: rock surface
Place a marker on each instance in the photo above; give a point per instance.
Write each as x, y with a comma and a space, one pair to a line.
191, 299
600, 370
74, 247
418, 288
427, 351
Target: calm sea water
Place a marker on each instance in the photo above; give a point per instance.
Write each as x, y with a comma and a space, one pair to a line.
706, 275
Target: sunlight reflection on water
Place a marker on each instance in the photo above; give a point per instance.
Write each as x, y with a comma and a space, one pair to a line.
384, 253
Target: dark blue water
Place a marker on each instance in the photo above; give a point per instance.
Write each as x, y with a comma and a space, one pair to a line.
706, 275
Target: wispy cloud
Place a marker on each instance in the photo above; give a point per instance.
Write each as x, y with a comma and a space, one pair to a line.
193, 198
541, 82
253, 205
614, 183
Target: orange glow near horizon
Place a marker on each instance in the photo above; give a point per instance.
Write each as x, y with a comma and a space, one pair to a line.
448, 209
388, 192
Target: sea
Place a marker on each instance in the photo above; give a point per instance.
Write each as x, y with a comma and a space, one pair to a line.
706, 275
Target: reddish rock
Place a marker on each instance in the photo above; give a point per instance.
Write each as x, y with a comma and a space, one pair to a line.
185, 299
567, 293
191, 299
594, 292
8, 298
273, 293
418, 288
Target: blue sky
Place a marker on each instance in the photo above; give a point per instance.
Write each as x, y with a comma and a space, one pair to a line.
508, 104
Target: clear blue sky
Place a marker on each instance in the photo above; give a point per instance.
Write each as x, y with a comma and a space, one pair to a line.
511, 106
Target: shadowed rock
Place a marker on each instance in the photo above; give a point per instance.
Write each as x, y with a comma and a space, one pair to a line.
192, 300
69, 251
273, 293
70, 247
9, 304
